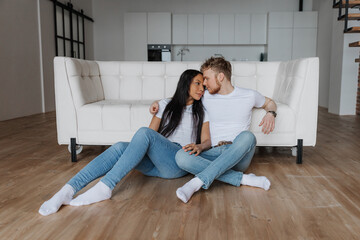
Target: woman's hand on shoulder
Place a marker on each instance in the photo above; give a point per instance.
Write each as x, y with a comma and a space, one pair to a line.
193, 148
154, 108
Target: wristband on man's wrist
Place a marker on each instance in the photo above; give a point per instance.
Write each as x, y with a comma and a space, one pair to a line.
273, 113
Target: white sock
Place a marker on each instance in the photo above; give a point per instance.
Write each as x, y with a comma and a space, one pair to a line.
97, 193
185, 192
255, 181
62, 197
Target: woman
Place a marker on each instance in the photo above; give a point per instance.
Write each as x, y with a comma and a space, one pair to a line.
152, 150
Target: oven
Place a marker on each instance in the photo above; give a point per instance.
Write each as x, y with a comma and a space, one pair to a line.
159, 52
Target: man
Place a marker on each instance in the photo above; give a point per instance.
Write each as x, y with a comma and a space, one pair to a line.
229, 109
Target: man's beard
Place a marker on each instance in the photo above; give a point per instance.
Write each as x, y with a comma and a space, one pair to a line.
215, 90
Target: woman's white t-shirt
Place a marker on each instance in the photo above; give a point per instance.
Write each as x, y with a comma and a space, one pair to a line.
183, 134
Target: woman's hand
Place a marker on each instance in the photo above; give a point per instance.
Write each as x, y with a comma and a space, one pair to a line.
154, 108
193, 148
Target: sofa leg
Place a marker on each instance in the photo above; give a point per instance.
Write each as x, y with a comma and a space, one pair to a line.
299, 151
73, 149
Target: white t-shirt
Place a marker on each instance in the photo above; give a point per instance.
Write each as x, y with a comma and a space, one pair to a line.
230, 114
183, 134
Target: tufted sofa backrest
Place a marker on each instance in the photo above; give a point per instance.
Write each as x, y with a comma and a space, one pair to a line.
84, 81
152, 81
291, 80
141, 80
92, 81
260, 76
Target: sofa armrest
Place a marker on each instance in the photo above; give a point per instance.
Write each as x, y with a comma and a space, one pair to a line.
307, 112
297, 86
66, 120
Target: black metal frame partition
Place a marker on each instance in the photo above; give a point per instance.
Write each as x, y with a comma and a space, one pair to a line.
77, 43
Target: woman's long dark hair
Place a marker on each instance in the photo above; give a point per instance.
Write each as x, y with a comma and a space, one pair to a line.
174, 109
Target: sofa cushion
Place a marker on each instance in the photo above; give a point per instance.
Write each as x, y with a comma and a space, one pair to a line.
114, 115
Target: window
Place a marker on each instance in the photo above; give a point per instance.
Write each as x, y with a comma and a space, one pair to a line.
69, 30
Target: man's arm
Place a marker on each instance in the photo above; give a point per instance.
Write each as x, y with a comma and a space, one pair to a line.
268, 121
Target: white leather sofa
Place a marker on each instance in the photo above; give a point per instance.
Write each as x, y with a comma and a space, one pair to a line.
100, 103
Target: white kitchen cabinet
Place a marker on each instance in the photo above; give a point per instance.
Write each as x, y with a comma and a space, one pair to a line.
195, 29
227, 29
258, 28
135, 36
295, 29
159, 28
280, 44
305, 19
281, 19
179, 29
242, 28
211, 29
304, 42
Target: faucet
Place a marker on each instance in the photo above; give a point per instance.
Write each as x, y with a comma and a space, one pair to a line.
181, 52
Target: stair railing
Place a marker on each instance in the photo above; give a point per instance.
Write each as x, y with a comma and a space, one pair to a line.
346, 15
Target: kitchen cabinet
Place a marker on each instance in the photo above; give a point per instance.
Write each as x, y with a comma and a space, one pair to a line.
159, 28
179, 29
223, 29
305, 19
195, 29
292, 35
280, 44
135, 36
281, 19
258, 28
211, 29
304, 42
242, 28
227, 29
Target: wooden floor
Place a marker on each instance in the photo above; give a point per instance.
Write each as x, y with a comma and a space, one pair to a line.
319, 199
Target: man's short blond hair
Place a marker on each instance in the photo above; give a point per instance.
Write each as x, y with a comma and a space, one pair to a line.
218, 65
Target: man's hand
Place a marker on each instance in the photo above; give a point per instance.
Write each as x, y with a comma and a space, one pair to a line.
193, 148
267, 123
154, 108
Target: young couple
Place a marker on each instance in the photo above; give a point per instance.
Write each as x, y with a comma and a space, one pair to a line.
178, 140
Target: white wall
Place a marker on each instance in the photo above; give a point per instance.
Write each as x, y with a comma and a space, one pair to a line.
47, 52
109, 15
349, 76
27, 82
325, 20
20, 89
338, 70
336, 58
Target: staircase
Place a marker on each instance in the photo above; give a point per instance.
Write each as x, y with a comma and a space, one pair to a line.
344, 15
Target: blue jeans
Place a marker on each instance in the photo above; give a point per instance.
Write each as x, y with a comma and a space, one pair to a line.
149, 152
225, 163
